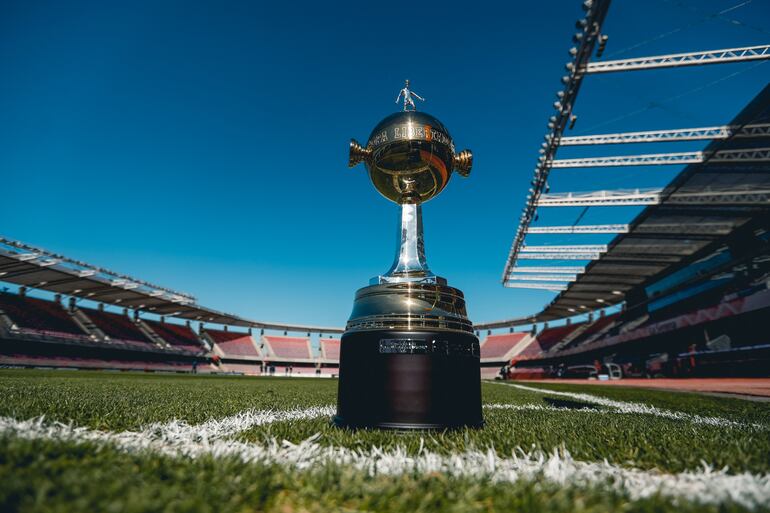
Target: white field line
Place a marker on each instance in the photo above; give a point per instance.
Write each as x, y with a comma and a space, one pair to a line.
229, 426
638, 408
179, 439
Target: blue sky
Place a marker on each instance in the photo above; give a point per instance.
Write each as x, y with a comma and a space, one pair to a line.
203, 145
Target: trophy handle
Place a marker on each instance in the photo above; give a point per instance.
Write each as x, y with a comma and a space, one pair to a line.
463, 162
357, 153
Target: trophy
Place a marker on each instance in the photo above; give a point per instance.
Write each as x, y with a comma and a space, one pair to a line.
409, 358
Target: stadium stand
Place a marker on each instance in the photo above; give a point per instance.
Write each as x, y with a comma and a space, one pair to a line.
503, 347
177, 335
496, 350
232, 344
330, 349
282, 348
117, 327
549, 337
41, 332
39, 316
593, 330
545, 340
719, 337
75, 362
691, 279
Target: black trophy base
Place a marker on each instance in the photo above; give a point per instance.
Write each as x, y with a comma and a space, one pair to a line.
409, 380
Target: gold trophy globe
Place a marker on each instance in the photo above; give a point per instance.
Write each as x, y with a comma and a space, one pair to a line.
408, 357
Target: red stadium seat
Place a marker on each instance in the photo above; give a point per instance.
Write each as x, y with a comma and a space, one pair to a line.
176, 335
330, 349
233, 343
291, 348
46, 317
118, 327
498, 346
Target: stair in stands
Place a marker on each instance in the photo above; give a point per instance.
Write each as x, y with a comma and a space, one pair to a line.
149, 333
85, 323
571, 336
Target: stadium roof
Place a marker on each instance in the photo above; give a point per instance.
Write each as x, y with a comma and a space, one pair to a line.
37, 268
692, 216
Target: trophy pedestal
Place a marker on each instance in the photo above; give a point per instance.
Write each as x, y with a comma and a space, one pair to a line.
409, 360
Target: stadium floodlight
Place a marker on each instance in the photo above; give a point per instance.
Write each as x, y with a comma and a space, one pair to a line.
585, 40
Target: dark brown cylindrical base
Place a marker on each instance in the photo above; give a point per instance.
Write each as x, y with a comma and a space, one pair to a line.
409, 380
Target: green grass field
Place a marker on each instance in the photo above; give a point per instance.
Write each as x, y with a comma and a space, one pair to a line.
135, 442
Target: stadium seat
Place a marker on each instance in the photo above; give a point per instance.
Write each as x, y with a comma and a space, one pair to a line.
118, 327
38, 315
545, 340
289, 348
499, 347
594, 330
233, 343
330, 349
177, 335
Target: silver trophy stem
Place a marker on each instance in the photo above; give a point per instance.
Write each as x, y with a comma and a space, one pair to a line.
410, 264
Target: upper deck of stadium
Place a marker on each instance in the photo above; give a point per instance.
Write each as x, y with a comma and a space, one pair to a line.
722, 193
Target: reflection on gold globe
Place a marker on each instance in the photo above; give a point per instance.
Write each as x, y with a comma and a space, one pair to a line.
410, 157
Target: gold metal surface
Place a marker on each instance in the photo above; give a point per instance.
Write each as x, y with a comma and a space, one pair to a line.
410, 157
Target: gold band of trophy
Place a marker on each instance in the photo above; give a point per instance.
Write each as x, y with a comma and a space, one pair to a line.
408, 357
